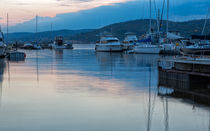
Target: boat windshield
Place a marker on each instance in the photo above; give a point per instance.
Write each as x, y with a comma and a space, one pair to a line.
109, 41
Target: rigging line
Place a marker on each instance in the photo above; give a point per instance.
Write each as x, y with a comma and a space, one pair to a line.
207, 15
157, 15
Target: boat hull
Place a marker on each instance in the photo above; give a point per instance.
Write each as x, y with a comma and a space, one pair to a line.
109, 48
147, 50
195, 51
2, 51
62, 47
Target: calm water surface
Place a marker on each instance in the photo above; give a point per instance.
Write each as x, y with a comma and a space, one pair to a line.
80, 90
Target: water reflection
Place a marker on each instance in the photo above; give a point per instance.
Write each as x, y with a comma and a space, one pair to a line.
2, 70
81, 90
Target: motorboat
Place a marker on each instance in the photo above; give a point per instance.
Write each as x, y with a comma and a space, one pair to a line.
36, 47
59, 44
109, 43
130, 41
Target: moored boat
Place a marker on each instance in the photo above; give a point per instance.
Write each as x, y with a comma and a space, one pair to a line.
197, 49
147, 49
2, 45
59, 44
109, 43
130, 41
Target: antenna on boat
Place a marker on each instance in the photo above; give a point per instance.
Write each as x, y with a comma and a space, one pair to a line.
207, 15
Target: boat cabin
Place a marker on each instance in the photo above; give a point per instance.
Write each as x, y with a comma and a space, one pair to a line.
59, 40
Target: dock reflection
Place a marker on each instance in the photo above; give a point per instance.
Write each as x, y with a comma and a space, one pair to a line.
181, 85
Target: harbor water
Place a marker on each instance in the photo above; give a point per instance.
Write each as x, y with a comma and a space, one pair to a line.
81, 90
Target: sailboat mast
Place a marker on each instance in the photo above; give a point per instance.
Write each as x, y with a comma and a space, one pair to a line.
36, 27
167, 25
36, 23
150, 22
51, 31
7, 27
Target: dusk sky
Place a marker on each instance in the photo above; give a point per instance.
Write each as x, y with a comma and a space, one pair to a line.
82, 14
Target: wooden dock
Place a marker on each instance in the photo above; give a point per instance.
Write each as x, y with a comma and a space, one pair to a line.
187, 77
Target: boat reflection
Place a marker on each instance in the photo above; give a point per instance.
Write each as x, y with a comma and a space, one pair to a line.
112, 59
2, 70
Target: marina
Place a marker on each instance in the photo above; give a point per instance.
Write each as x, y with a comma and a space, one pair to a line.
117, 65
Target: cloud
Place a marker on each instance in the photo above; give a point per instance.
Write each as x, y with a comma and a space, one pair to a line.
22, 10
112, 13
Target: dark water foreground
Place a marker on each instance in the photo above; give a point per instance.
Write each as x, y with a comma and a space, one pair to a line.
80, 90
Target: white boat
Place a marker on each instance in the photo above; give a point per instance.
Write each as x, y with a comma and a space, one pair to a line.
145, 45
2, 45
109, 44
130, 41
147, 49
59, 44
197, 49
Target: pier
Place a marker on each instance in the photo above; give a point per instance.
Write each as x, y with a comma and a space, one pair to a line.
188, 77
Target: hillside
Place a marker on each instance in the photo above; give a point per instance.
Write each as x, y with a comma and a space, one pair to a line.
139, 27
43, 36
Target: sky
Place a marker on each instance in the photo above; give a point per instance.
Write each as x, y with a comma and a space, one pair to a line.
90, 14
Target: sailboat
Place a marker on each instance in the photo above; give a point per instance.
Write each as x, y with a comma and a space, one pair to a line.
2, 44
145, 45
36, 45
